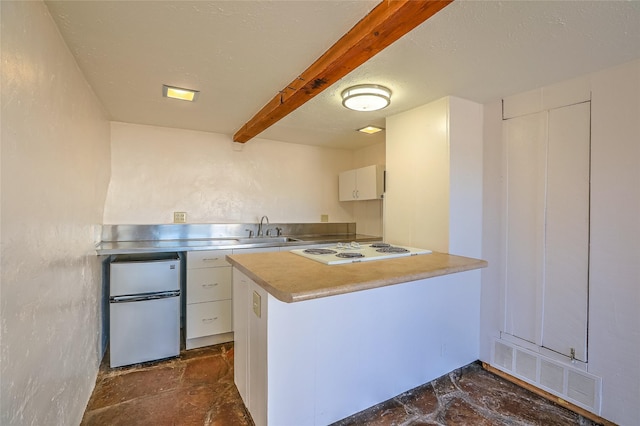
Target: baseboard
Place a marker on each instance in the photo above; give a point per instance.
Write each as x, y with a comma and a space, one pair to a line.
208, 340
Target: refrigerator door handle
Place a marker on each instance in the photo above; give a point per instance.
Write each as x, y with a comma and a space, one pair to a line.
143, 297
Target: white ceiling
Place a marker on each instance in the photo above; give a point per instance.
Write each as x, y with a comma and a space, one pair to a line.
239, 54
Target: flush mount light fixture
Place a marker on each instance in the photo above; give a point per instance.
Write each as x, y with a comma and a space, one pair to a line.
366, 97
179, 93
371, 130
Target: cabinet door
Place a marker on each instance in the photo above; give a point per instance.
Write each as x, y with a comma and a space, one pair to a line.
241, 305
257, 355
208, 284
567, 232
209, 318
525, 139
347, 185
207, 258
367, 183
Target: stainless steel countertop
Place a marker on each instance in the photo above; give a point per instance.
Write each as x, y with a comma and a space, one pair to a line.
223, 243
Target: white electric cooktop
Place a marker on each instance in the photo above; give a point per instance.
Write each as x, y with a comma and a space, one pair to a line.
353, 252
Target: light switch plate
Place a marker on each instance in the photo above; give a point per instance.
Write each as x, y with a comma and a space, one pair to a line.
256, 304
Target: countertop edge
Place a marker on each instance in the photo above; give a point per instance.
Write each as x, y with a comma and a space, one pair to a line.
292, 297
280, 295
479, 264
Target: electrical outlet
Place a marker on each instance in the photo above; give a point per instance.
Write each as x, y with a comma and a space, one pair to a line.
257, 300
324, 218
179, 217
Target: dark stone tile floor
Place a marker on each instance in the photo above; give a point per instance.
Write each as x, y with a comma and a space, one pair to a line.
194, 389
465, 397
197, 389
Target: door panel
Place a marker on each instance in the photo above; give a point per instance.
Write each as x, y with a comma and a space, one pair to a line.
526, 151
567, 231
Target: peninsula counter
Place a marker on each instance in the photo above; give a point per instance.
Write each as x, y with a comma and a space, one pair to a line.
292, 278
315, 343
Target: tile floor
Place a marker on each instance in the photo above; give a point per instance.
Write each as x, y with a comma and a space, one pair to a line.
197, 389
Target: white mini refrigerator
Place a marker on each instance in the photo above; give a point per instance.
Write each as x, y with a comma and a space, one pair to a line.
144, 309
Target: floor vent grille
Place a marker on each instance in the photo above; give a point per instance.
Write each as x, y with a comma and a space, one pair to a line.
573, 385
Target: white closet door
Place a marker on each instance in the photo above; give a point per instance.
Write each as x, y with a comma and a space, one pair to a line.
567, 231
525, 139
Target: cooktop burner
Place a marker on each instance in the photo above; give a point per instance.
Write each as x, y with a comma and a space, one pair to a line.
319, 251
379, 245
343, 253
392, 250
349, 255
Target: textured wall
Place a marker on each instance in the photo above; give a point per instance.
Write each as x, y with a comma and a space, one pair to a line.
157, 170
614, 270
55, 171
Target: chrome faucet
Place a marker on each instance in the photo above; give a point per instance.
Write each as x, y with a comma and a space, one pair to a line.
260, 225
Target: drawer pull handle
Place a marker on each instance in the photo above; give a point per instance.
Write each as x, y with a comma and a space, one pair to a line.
209, 320
209, 285
210, 259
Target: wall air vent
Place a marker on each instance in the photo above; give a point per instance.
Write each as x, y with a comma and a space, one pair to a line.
571, 384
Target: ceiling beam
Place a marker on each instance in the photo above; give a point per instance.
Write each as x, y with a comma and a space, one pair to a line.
386, 23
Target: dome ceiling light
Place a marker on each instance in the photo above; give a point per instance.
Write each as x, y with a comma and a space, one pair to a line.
366, 97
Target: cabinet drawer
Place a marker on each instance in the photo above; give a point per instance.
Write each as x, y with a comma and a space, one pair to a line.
207, 258
208, 284
206, 319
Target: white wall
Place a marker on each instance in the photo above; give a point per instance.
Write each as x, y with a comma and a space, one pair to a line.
465, 177
417, 198
156, 171
614, 289
614, 280
368, 214
493, 250
434, 170
55, 172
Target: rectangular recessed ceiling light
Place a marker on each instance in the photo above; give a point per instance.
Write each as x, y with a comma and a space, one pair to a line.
179, 93
371, 130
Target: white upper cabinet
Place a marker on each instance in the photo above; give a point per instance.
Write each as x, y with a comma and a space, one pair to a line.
365, 183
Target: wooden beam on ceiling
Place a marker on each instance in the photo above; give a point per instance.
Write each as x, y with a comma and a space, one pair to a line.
386, 23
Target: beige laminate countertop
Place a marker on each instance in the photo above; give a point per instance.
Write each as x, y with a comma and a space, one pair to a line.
292, 278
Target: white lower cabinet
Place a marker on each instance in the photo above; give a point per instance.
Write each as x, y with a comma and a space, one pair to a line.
209, 318
209, 284
210, 295
250, 347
